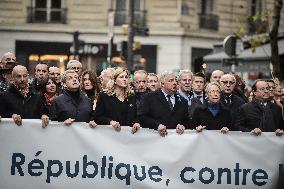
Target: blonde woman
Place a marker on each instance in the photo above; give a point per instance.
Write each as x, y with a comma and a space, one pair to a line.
116, 105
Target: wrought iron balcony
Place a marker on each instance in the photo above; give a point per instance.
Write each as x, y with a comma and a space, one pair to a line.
120, 17
209, 21
44, 15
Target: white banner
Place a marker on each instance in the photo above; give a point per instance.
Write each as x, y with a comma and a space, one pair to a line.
77, 156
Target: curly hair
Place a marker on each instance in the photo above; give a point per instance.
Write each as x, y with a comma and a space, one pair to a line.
110, 88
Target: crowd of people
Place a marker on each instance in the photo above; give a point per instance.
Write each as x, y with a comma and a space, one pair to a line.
168, 101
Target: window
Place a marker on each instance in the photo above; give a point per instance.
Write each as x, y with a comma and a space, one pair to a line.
255, 22
121, 12
207, 18
207, 6
184, 8
47, 11
256, 7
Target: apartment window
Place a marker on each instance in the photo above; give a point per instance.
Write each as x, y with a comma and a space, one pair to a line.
47, 11
256, 7
255, 23
184, 8
121, 12
207, 18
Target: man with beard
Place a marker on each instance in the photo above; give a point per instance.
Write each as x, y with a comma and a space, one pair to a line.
19, 102
163, 109
72, 105
260, 115
41, 75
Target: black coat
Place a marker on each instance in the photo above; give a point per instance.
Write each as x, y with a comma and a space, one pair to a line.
110, 108
203, 116
156, 110
195, 103
252, 115
13, 102
64, 107
234, 106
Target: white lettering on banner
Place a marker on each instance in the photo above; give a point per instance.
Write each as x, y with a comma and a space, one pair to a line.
83, 157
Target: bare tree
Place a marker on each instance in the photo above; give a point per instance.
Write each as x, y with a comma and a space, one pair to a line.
278, 69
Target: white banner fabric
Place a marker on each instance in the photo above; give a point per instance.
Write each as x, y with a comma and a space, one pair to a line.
78, 156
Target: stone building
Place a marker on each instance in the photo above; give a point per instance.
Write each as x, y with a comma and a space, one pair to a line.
180, 31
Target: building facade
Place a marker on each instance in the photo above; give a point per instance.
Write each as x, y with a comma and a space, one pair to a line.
180, 31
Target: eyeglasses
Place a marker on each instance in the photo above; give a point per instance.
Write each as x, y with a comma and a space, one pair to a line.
230, 82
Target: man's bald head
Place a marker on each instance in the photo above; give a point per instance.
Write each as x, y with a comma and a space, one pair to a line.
7, 57
20, 76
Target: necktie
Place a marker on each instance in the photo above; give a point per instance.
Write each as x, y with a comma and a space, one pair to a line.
228, 100
170, 102
199, 97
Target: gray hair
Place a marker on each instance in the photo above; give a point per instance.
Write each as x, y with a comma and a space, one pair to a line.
165, 74
226, 75
209, 85
70, 62
64, 76
181, 72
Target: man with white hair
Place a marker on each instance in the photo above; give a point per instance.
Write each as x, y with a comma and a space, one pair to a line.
228, 99
76, 66
163, 109
185, 82
106, 76
7, 57
216, 75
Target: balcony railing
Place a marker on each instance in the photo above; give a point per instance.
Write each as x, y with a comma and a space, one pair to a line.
44, 15
209, 21
120, 17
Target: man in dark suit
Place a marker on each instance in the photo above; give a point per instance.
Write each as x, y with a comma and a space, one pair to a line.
164, 109
228, 99
198, 95
260, 115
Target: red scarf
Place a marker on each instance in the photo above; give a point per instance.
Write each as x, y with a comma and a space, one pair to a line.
48, 98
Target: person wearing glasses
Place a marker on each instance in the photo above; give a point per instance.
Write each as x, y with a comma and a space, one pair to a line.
228, 98
213, 116
76, 66
260, 115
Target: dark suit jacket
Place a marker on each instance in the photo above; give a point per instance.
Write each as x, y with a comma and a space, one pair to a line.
234, 106
252, 115
156, 110
111, 108
30, 107
64, 107
203, 116
195, 103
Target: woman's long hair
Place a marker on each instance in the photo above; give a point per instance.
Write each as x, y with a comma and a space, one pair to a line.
110, 88
95, 82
